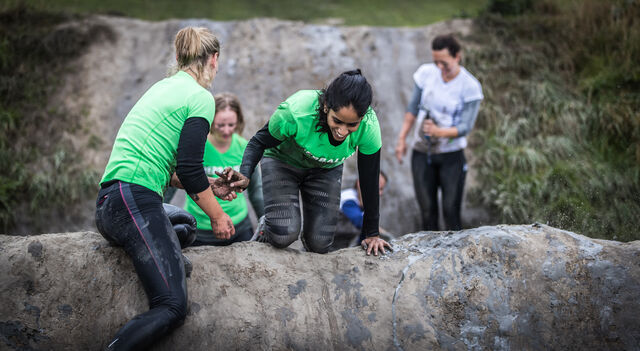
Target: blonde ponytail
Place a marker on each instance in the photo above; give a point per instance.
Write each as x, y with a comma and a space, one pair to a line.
194, 47
188, 46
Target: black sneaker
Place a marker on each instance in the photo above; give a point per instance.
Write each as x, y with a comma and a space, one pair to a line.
259, 235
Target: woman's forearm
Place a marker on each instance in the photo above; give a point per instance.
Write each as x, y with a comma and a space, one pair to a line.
409, 120
255, 149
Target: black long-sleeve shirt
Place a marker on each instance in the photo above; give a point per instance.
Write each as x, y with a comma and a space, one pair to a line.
190, 155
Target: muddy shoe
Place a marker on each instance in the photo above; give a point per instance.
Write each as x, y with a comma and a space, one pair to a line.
188, 266
259, 235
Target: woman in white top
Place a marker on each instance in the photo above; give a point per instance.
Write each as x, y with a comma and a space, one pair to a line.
445, 103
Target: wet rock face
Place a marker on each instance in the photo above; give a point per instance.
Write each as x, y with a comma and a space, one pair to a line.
503, 288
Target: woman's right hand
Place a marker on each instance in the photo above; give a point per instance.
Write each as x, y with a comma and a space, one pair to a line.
236, 180
430, 128
401, 150
222, 227
221, 189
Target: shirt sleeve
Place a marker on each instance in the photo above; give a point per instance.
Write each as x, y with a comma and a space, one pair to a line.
422, 73
369, 175
472, 89
468, 117
370, 139
255, 149
414, 103
255, 192
189, 167
282, 124
202, 105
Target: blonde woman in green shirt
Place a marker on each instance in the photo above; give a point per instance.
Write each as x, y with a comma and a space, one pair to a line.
224, 148
164, 132
305, 143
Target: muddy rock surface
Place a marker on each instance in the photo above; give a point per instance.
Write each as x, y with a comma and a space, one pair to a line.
503, 288
262, 61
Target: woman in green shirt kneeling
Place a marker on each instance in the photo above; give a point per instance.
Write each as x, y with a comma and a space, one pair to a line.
224, 148
304, 144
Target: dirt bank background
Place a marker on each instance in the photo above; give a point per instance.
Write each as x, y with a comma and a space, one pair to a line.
263, 61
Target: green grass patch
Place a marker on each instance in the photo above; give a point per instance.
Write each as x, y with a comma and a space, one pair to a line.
38, 169
558, 137
352, 12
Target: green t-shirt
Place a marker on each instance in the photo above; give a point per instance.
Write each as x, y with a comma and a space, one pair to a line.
215, 161
145, 148
295, 121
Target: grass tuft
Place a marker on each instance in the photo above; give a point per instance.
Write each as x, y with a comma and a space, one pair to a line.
39, 171
559, 132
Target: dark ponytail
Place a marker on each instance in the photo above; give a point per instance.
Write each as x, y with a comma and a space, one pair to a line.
446, 41
350, 88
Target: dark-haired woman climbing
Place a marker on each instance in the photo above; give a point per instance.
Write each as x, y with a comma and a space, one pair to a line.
304, 144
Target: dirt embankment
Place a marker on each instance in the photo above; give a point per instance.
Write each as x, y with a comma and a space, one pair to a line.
263, 61
500, 288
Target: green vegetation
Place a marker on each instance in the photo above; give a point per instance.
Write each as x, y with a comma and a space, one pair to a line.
352, 12
559, 133
39, 169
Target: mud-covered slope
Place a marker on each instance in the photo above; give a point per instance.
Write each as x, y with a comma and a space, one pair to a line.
503, 288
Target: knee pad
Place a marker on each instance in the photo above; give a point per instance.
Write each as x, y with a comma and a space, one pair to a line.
282, 239
282, 232
317, 246
183, 223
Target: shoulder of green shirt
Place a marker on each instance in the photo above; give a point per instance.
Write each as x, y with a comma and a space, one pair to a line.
202, 103
303, 102
240, 140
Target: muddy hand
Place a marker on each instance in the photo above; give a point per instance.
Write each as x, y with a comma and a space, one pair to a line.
238, 182
222, 189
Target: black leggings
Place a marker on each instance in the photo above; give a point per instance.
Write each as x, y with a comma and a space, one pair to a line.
446, 171
132, 216
320, 189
